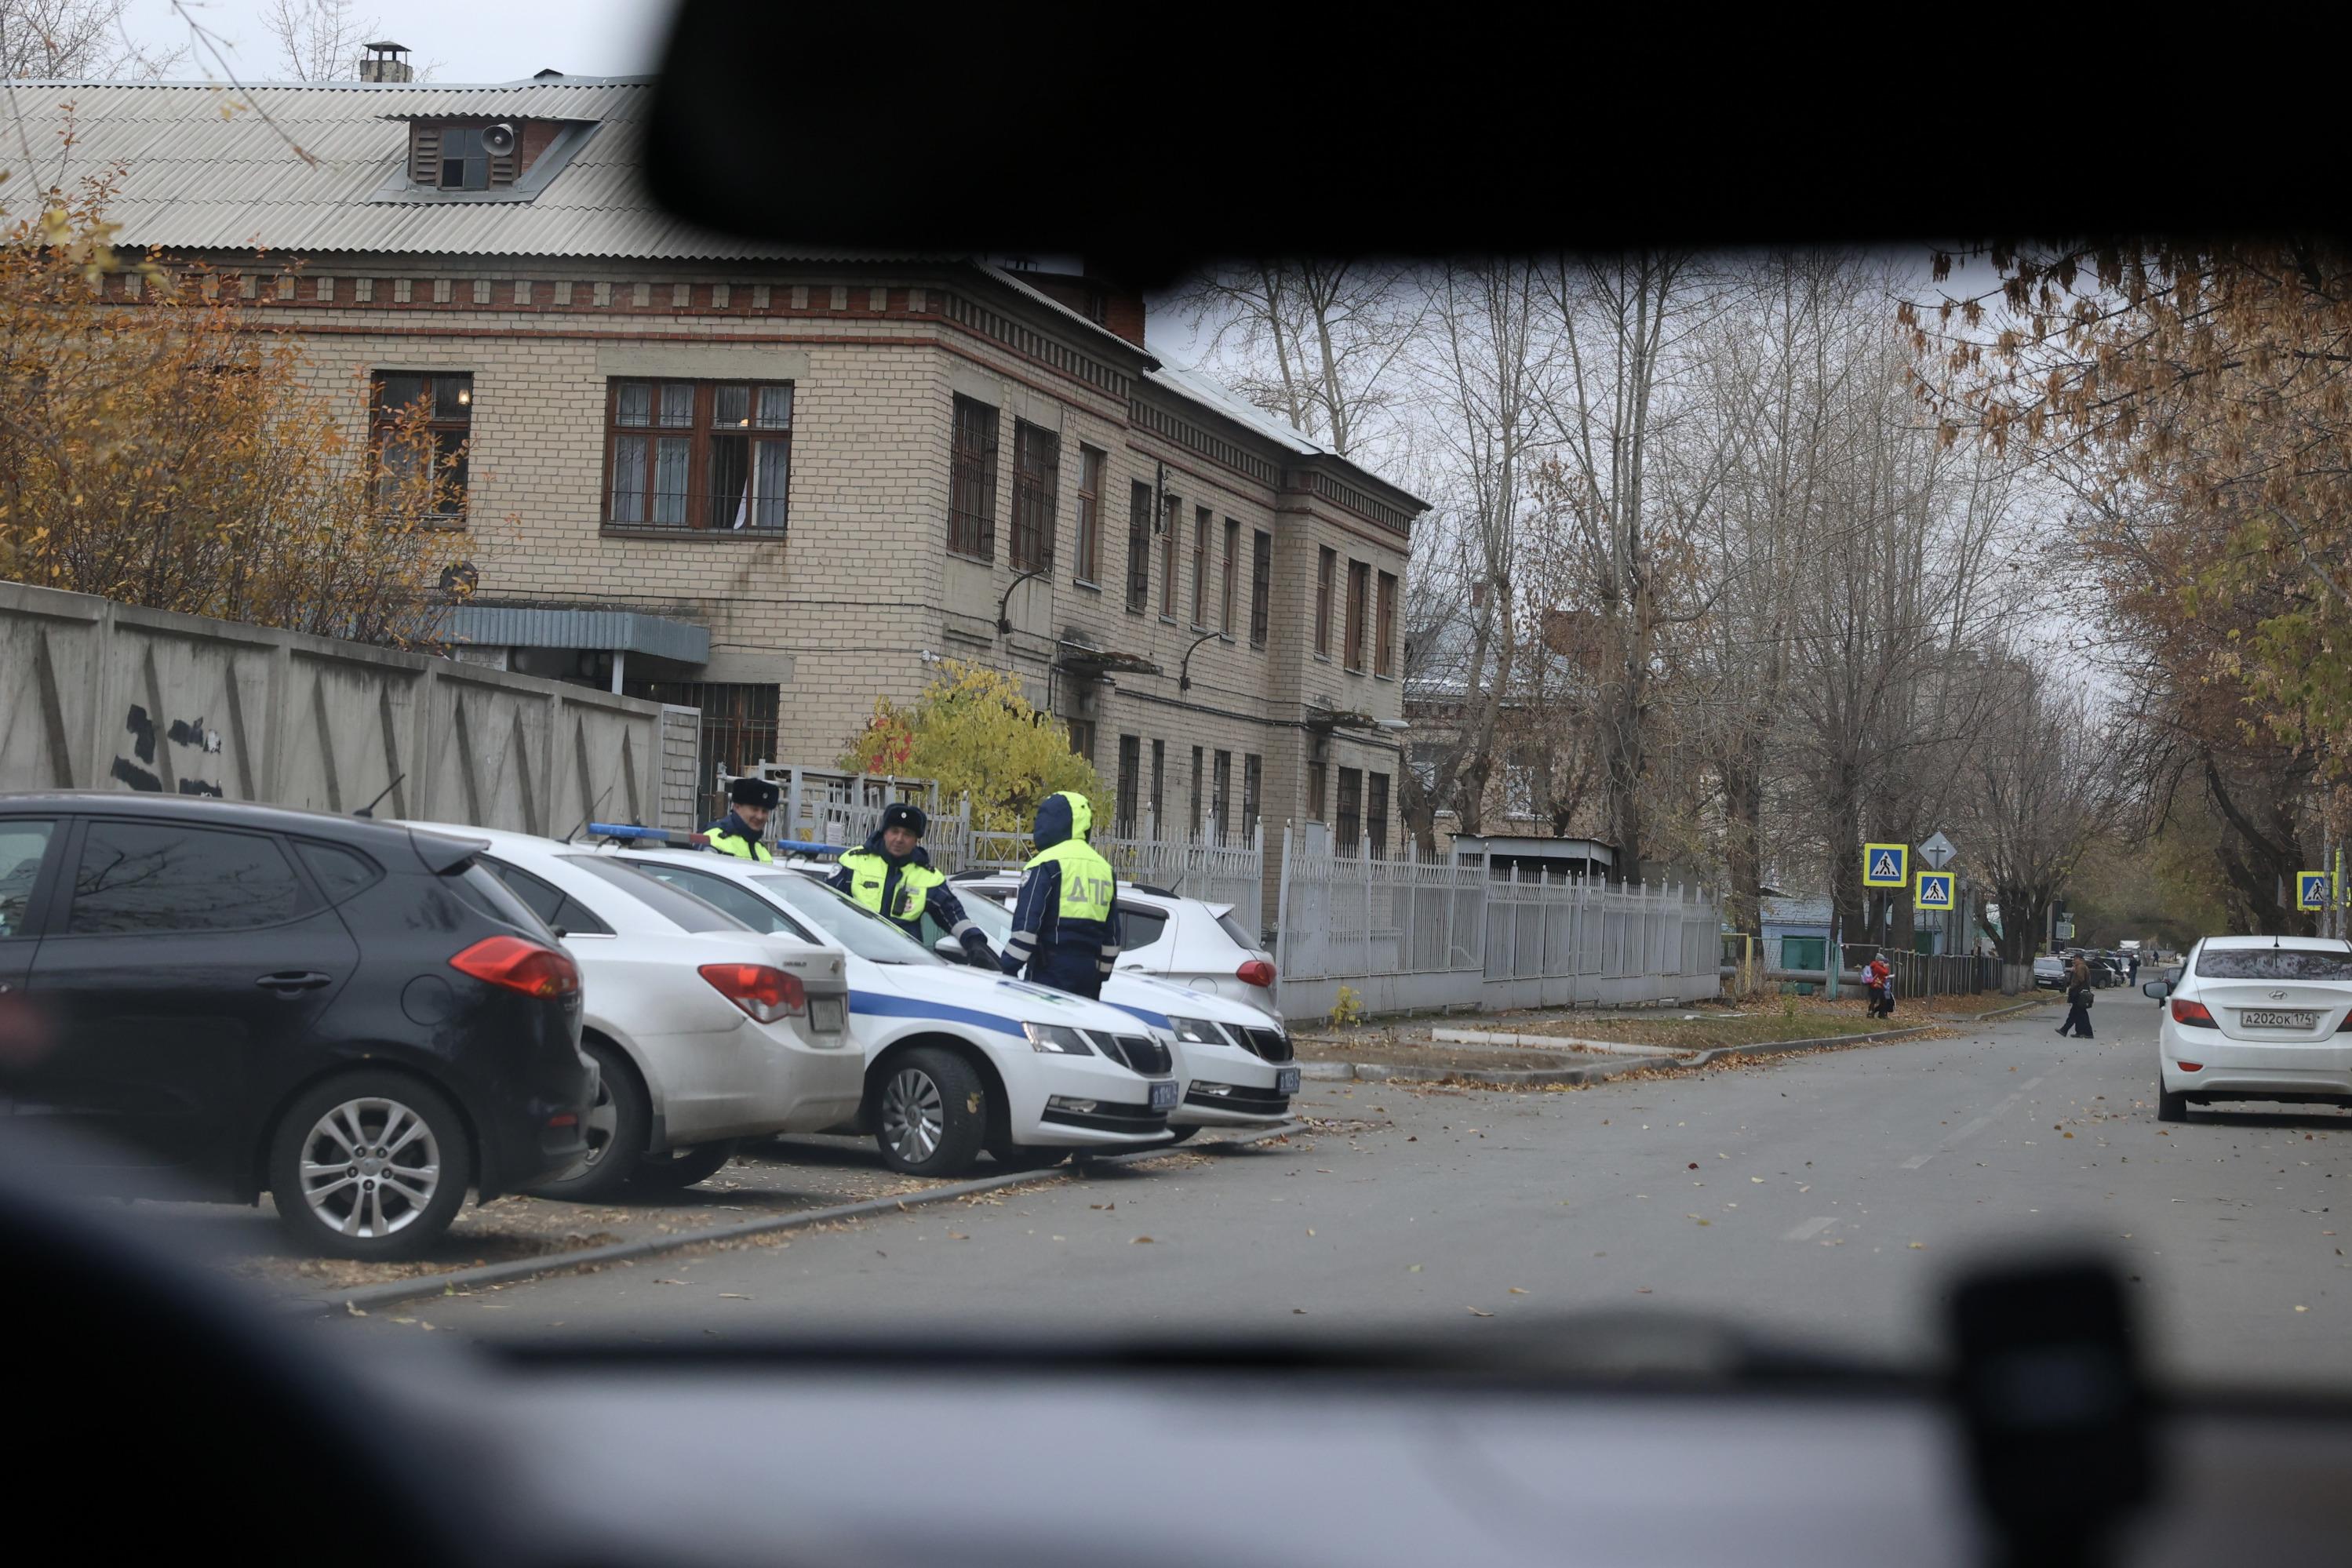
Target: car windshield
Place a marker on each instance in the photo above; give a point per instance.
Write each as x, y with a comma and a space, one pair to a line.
852, 924
2274, 964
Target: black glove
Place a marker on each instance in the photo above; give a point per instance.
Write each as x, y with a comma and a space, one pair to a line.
977, 952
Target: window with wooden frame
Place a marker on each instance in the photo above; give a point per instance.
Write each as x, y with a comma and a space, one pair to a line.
1036, 488
702, 455
1375, 813
1201, 568
1090, 484
971, 481
1082, 737
1138, 546
1233, 570
1326, 568
1315, 771
1349, 828
1384, 627
421, 417
1168, 558
1359, 588
1261, 585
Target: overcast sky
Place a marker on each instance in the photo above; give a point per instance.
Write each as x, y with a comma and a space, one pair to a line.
465, 40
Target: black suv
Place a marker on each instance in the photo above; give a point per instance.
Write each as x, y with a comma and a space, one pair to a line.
223, 998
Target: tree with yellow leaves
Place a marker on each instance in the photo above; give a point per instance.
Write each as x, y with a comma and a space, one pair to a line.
158, 447
974, 732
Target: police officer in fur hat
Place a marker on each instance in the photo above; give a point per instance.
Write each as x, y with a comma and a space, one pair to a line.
894, 877
738, 832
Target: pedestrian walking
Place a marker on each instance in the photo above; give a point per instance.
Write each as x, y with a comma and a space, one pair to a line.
2132, 964
2078, 998
1881, 986
1062, 930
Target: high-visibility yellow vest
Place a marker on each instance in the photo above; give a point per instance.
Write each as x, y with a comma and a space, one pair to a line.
1087, 880
740, 848
870, 874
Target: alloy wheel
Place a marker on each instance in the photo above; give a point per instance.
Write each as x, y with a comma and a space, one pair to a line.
369, 1166
913, 1114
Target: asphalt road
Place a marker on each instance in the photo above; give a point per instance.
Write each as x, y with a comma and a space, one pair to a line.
1824, 1196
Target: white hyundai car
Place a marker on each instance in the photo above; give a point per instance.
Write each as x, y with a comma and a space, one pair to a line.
957, 1060
704, 1031
1186, 941
2256, 1018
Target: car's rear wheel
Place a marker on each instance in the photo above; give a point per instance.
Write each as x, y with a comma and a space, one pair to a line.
930, 1114
369, 1164
2170, 1107
616, 1132
682, 1167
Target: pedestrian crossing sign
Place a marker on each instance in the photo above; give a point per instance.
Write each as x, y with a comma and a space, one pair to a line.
1935, 890
2314, 890
1886, 865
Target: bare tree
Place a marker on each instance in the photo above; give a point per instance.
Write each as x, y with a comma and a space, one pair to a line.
74, 40
2042, 783
319, 40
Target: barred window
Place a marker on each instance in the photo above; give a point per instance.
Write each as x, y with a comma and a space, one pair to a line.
971, 500
1138, 546
1261, 586
1090, 484
1036, 485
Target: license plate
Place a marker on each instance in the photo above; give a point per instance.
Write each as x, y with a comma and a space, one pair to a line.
1163, 1095
826, 1014
2264, 1017
1285, 1081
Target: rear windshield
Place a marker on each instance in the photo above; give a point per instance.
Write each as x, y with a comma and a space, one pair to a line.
478, 886
1241, 933
2273, 963
682, 910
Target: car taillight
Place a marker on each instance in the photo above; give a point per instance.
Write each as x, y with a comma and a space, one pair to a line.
764, 993
1256, 972
2190, 1066
520, 965
2193, 1014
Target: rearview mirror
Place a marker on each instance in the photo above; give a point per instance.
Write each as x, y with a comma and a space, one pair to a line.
2158, 989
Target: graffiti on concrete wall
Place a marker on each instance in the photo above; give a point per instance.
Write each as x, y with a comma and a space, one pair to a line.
145, 770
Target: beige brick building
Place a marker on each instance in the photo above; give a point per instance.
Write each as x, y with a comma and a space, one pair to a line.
780, 484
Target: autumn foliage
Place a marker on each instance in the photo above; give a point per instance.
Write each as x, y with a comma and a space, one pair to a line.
159, 447
975, 732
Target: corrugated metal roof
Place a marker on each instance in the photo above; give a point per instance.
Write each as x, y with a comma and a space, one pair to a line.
206, 167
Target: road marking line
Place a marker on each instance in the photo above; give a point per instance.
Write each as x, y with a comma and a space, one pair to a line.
2033, 1083
1811, 1228
1916, 1161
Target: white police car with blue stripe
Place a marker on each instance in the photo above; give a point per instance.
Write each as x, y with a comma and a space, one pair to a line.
958, 1060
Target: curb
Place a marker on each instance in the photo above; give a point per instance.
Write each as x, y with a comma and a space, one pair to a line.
462, 1280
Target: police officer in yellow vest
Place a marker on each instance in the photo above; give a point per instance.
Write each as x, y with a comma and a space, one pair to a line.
894, 877
1062, 923
738, 832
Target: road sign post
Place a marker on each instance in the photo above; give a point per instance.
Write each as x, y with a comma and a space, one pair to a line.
1886, 865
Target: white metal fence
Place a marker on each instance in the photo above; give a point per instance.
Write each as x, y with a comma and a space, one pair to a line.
1408, 933
823, 806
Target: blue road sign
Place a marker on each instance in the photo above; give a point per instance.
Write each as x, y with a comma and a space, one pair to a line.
1935, 890
2314, 890
1886, 865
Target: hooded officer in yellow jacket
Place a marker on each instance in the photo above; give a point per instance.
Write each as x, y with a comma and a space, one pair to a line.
1063, 929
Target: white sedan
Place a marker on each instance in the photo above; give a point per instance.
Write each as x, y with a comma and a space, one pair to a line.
1186, 941
704, 1033
2256, 1018
958, 1060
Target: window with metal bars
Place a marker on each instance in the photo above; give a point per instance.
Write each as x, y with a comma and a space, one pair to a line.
1037, 481
739, 730
1168, 525
1326, 568
1261, 586
1130, 770
1090, 484
1196, 791
1138, 546
1159, 781
1252, 771
1232, 569
1376, 812
1384, 627
971, 481
1221, 778
1201, 568
709, 455
1359, 588
1349, 827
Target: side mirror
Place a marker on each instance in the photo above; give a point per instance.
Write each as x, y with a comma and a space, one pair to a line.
2157, 990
